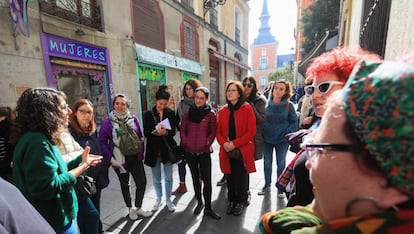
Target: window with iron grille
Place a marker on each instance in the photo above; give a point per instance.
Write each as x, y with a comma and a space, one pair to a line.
190, 41
213, 18
84, 12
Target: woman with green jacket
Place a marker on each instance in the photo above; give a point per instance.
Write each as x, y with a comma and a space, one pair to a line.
39, 170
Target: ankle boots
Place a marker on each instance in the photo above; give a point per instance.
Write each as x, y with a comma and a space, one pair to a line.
180, 189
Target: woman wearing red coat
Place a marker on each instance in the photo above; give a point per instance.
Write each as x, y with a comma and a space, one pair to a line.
236, 128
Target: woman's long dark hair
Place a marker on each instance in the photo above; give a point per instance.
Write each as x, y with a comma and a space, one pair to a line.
38, 109
254, 90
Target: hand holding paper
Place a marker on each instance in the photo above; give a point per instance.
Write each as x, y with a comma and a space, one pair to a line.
165, 123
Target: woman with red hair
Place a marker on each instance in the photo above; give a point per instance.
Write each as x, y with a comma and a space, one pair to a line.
329, 73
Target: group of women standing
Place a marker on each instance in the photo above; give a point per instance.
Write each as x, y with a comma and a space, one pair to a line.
48, 179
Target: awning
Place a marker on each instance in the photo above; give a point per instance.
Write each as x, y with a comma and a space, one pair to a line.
325, 44
228, 59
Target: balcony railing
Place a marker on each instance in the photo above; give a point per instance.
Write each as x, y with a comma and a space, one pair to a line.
73, 10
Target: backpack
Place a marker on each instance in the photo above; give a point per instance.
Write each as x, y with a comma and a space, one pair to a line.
129, 143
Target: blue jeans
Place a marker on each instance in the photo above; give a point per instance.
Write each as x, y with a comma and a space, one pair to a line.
281, 150
156, 178
182, 171
70, 228
88, 217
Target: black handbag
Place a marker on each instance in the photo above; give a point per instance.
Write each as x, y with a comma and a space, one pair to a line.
235, 154
175, 152
85, 187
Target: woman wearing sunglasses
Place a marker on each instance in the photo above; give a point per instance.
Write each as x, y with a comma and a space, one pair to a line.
360, 157
329, 72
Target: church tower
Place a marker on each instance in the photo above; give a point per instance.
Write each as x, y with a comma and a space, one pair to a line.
264, 50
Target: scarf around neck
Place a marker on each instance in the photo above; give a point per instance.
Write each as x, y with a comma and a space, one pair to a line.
232, 125
195, 114
115, 116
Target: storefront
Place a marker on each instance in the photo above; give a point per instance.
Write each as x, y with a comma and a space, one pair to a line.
155, 67
80, 70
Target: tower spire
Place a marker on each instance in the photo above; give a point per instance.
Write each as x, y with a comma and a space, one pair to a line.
264, 31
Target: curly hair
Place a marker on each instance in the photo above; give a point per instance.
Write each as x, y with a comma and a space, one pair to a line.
339, 61
74, 120
194, 83
38, 109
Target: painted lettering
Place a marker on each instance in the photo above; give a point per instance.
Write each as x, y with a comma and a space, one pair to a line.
53, 46
102, 56
62, 48
79, 51
86, 52
71, 48
95, 54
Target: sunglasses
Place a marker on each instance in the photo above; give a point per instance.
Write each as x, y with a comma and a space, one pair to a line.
323, 87
250, 85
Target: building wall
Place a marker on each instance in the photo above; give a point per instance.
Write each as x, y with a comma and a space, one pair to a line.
301, 5
400, 38
271, 54
400, 34
24, 67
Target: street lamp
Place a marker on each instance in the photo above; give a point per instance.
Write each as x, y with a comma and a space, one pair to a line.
209, 4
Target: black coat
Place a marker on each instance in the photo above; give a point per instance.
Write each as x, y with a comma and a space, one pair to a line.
156, 146
100, 171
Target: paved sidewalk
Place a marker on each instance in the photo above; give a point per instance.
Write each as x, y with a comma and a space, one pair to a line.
115, 219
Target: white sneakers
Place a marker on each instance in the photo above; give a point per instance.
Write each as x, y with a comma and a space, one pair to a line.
170, 206
135, 212
144, 213
157, 205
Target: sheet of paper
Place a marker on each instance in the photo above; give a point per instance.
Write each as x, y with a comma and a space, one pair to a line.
165, 123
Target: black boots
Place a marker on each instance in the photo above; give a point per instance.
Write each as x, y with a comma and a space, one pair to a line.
198, 208
211, 213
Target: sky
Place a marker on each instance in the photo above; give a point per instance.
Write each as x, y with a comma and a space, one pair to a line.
282, 22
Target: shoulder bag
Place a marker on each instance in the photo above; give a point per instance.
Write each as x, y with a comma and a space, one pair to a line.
85, 186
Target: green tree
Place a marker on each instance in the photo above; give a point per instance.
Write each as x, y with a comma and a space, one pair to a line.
282, 74
322, 15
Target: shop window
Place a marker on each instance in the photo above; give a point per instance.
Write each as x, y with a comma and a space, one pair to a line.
149, 80
77, 86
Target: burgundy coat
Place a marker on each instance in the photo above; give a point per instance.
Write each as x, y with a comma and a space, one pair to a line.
245, 122
198, 137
